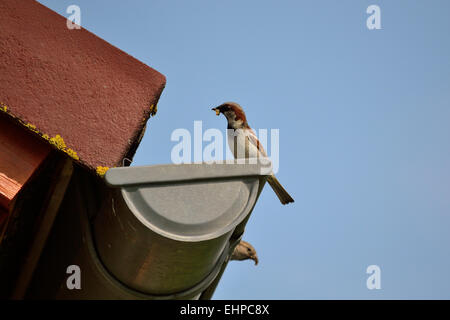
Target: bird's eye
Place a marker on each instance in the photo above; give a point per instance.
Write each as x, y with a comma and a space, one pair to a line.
248, 249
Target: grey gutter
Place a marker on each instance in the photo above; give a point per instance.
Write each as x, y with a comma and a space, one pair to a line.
173, 224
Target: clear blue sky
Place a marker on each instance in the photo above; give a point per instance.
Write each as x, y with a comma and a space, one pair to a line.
364, 129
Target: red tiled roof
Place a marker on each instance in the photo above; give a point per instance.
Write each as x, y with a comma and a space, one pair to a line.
74, 89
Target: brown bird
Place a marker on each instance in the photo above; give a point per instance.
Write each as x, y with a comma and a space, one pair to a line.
244, 251
242, 137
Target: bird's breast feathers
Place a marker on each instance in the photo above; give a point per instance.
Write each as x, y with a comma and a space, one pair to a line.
243, 143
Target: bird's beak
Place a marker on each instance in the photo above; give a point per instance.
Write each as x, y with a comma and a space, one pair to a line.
256, 260
216, 110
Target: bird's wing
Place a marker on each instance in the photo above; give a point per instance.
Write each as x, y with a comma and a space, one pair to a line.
255, 142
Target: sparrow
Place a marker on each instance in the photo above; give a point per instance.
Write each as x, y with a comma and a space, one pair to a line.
244, 251
241, 137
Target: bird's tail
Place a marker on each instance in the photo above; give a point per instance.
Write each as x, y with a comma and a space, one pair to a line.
281, 193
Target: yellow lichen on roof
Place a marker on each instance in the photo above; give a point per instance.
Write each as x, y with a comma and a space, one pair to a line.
71, 153
59, 143
31, 127
153, 109
101, 171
